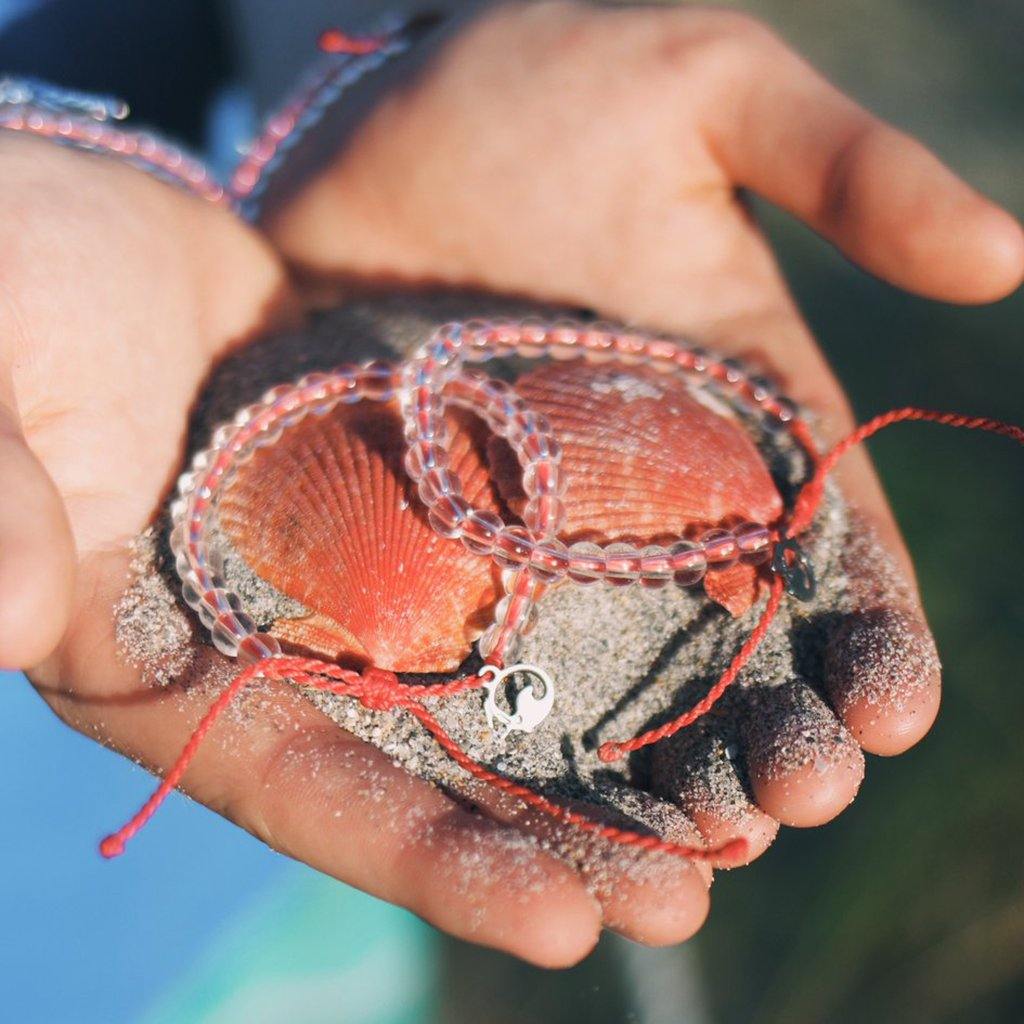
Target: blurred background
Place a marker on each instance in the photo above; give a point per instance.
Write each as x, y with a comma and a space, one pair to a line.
909, 907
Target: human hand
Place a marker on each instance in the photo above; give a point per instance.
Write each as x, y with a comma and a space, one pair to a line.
119, 294
592, 157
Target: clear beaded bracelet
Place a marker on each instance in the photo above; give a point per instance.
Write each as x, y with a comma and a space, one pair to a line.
426, 385
84, 121
199, 565
435, 375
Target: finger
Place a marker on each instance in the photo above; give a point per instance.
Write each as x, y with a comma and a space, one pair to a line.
37, 552
780, 129
804, 766
277, 767
658, 899
881, 668
881, 673
697, 769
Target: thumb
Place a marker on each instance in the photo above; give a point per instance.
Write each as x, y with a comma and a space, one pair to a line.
37, 552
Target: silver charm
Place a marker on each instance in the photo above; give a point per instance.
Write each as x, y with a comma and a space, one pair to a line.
532, 703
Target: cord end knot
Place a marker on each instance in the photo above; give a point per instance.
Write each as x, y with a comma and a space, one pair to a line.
112, 846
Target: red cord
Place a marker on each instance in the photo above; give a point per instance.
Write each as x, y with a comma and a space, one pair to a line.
380, 690
804, 510
612, 751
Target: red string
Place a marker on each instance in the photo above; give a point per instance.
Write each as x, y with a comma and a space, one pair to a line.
612, 751
804, 510
380, 690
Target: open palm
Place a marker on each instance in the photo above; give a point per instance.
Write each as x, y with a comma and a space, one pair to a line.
595, 157
569, 154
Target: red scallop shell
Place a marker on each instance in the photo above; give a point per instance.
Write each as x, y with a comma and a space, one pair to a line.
329, 517
646, 455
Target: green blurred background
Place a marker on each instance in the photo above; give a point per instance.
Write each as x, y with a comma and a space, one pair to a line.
910, 906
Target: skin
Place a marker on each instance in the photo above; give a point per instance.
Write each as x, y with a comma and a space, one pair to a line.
511, 163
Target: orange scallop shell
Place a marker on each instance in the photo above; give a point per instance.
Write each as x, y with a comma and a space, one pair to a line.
646, 455
329, 517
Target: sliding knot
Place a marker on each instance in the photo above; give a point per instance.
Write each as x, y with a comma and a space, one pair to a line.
380, 690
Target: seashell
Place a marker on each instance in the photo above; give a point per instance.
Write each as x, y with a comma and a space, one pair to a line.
329, 517
646, 455
735, 588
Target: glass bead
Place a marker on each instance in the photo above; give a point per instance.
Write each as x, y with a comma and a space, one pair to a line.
543, 478
228, 631
512, 547
178, 508
622, 564
549, 561
689, 563
630, 349
539, 447
513, 610
502, 337
586, 563
783, 409
661, 352
529, 620
286, 402
346, 384
753, 542
545, 515
315, 387
436, 484
501, 410
563, 340
447, 515
187, 481
222, 435
598, 345
488, 642
719, 548
423, 456
243, 416
256, 647
415, 375
215, 560
655, 567
220, 600
209, 604
448, 338
293, 410
424, 401
245, 454
177, 539
182, 564
533, 336
480, 531
524, 423
475, 331
272, 395
700, 359
269, 434
433, 430
732, 371
761, 388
